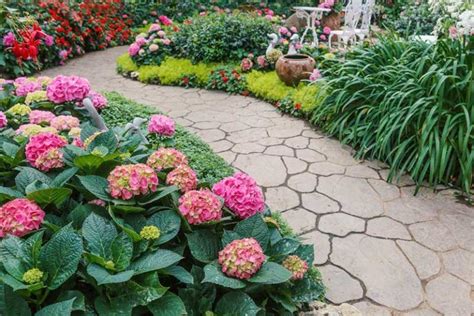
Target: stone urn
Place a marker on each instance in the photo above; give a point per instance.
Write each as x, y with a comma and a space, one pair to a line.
291, 69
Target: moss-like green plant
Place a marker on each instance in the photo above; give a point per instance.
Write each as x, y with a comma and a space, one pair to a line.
125, 64
268, 86
309, 96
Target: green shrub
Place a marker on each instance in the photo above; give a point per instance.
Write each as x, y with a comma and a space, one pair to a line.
125, 64
309, 96
222, 37
267, 86
209, 167
406, 103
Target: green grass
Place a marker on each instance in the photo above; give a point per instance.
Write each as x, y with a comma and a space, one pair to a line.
209, 167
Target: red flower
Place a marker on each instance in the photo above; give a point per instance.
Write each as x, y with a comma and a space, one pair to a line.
298, 106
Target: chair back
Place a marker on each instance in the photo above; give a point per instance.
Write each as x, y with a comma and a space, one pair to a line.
368, 9
353, 12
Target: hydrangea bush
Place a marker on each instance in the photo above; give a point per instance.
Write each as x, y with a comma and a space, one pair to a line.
109, 221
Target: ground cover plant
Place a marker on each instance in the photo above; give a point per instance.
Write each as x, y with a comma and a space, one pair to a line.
101, 217
407, 103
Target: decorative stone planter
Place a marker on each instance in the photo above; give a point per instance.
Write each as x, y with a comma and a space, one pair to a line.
291, 69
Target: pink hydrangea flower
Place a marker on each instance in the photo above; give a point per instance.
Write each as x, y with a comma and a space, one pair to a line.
262, 61
154, 27
19, 217
246, 64
296, 266
140, 41
39, 145
294, 29
9, 39
65, 122
49, 40
315, 75
283, 30
128, 181
242, 258
77, 141
3, 120
133, 49
161, 34
166, 158
200, 207
162, 125
241, 194
322, 37
52, 159
165, 20
98, 100
97, 202
327, 30
166, 41
23, 87
67, 89
39, 117
183, 177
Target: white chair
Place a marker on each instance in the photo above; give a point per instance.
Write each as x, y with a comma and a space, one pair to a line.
367, 11
352, 15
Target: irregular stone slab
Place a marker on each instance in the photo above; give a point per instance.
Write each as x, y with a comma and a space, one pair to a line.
248, 135
294, 165
284, 132
340, 224
221, 145
304, 182
387, 228
300, 220
408, 210
312, 133
206, 125
360, 171
385, 190
248, 148
268, 171
323, 309
233, 126
258, 121
460, 263
280, 150
270, 141
425, 261
461, 227
321, 245
298, 142
309, 155
319, 204
341, 287
326, 168
388, 276
183, 122
228, 156
369, 309
355, 195
433, 235
211, 135
449, 295
281, 199
422, 311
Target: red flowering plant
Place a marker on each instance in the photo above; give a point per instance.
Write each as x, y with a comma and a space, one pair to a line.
288, 106
227, 79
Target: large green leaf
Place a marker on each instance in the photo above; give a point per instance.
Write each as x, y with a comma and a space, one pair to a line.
236, 303
102, 276
11, 256
159, 259
168, 222
158, 195
57, 309
79, 299
284, 247
29, 175
122, 251
62, 178
49, 196
9, 194
204, 245
271, 273
213, 274
99, 234
96, 185
179, 273
168, 305
60, 257
307, 290
12, 304
106, 139
254, 227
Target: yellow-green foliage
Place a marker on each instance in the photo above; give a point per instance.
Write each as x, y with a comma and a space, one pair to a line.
172, 69
268, 86
309, 96
149, 74
125, 64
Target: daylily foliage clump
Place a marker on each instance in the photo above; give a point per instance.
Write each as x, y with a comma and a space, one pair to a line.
114, 220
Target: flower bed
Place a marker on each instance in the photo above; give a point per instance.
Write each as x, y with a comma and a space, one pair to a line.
117, 221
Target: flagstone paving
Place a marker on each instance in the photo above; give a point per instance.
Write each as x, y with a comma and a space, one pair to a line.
378, 246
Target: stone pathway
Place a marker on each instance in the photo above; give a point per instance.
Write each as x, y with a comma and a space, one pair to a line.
377, 245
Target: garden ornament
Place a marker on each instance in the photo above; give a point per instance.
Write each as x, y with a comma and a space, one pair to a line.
134, 128
97, 120
294, 39
273, 42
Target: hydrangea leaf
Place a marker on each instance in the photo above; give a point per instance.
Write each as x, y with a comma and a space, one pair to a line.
168, 305
168, 222
159, 259
236, 303
204, 245
254, 227
271, 273
213, 274
102, 276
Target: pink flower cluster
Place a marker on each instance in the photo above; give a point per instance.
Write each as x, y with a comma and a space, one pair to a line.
128, 181
24, 86
3, 120
135, 47
38, 150
166, 158
242, 258
183, 177
154, 27
200, 207
9, 39
65, 122
246, 64
67, 89
162, 125
165, 20
39, 117
98, 100
315, 75
19, 217
327, 4
241, 194
296, 266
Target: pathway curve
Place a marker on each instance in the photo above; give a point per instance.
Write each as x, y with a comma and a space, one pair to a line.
376, 245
